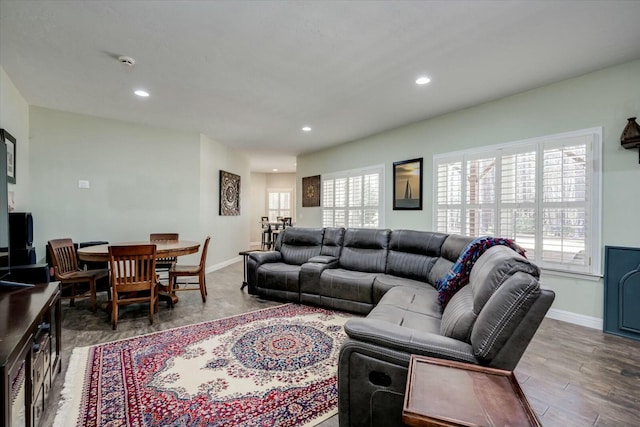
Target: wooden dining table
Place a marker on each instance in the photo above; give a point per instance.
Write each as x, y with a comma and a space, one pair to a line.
169, 249
100, 253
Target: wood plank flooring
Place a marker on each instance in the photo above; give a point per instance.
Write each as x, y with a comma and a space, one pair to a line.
572, 375
576, 376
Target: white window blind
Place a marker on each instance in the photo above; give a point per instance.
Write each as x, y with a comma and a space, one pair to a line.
544, 193
279, 203
353, 198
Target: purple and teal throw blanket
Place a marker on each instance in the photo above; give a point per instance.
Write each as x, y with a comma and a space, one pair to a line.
458, 276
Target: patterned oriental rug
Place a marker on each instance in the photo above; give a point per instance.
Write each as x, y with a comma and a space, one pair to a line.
272, 367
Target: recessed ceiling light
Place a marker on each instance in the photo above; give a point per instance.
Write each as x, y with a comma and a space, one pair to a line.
423, 80
142, 93
275, 170
306, 129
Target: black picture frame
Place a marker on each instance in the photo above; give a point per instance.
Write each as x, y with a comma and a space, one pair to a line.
229, 194
407, 185
11, 144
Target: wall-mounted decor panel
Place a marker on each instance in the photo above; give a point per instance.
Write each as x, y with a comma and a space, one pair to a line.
229, 194
311, 191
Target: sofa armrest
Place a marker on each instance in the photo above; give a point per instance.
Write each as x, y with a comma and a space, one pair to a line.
255, 260
323, 259
311, 271
260, 257
413, 341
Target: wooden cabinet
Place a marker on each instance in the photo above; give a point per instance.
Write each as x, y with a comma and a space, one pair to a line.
622, 291
30, 325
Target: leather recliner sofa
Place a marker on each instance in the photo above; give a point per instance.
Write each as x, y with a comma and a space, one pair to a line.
391, 276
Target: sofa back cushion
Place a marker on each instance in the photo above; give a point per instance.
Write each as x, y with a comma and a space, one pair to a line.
458, 316
412, 253
450, 250
298, 244
495, 267
332, 241
365, 250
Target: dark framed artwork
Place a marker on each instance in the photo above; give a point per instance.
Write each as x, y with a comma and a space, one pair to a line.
407, 185
229, 194
10, 141
311, 191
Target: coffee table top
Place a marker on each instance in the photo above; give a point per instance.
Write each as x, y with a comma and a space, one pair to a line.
445, 393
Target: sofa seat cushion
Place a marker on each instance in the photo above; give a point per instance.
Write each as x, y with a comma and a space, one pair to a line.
384, 282
347, 285
410, 307
279, 276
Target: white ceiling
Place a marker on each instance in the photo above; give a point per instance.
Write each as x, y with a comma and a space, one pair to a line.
250, 74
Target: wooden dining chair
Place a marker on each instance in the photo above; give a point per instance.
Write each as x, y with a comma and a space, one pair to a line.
266, 232
66, 271
286, 222
133, 278
163, 265
179, 270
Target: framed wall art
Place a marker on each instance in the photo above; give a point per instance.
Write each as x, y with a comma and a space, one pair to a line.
229, 194
311, 191
10, 141
407, 185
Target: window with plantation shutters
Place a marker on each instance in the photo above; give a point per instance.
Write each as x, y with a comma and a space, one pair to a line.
279, 203
353, 198
544, 193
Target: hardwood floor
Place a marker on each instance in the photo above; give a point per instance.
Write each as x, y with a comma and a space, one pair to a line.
575, 376
572, 376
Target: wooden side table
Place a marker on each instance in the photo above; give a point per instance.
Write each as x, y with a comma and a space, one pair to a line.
444, 393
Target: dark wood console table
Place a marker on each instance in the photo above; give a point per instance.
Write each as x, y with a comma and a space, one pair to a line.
444, 393
30, 326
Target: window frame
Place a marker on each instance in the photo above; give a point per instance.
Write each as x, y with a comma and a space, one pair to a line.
592, 203
350, 175
280, 191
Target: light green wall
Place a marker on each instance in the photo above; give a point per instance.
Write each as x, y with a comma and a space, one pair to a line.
142, 179
229, 234
605, 98
14, 117
258, 202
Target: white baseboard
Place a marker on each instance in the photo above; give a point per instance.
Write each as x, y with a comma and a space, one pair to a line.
575, 318
223, 264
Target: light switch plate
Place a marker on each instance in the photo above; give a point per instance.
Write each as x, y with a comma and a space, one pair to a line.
83, 183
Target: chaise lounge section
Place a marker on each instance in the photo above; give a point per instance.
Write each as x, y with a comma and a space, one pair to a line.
392, 277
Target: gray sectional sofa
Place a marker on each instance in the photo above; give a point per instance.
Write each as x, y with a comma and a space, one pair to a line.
390, 276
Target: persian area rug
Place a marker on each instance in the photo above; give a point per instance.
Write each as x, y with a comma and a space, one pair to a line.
272, 367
